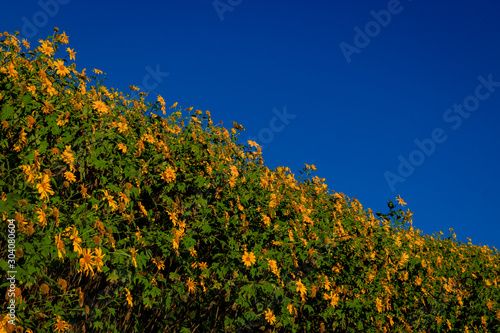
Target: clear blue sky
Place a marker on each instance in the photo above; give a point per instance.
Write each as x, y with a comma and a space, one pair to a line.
345, 85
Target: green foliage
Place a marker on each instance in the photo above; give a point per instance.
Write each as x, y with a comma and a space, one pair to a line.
132, 222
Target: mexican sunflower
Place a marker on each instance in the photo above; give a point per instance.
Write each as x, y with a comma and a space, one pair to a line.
44, 187
87, 261
248, 259
61, 325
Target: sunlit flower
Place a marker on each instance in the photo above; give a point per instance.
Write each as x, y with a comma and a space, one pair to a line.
71, 53
191, 285
60, 68
273, 266
159, 263
61, 325
400, 201
162, 103
301, 287
64, 38
129, 298
134, 256
270, 317
69, 176
122, 127
333, 298
46, 47
379, 304
42, 218
143, 209
234, 171
98, 259
97, 71
168, 175
100, 106
124, 198
252, 143
44, 187
87, 261
30, 172
173, 105
26, 44
248, 259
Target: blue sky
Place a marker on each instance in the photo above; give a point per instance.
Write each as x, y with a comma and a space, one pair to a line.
386, 98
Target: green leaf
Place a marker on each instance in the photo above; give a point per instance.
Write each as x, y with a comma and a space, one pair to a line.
7, 112
98, 324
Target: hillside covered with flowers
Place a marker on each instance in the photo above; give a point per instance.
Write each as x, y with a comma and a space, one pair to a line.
126, 221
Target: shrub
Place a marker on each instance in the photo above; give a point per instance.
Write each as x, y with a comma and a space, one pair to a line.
131, 222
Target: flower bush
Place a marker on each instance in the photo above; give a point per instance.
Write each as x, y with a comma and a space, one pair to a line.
132, 222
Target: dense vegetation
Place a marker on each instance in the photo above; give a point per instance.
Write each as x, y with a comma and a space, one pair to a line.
126, 221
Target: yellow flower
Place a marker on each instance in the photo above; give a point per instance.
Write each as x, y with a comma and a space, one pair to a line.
301, 287
400, 201
69, 176
44, 187
248, 259
100, 106
273, 267
61, 325
71, 53
252, 143
61, 69
42, 218
97, 71
191, 285
76, 241
291, 308
46, 47
64, 38
143, 210
270, 317
134, 255
86, 262
129, 298
378, 303
162, 103
60, 246
98, 258
234, 171
159, 263
68, 156
168, 175
173, 105
111, 201
333, 298
122, 127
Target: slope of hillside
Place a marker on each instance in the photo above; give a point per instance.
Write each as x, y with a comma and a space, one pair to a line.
118, 220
